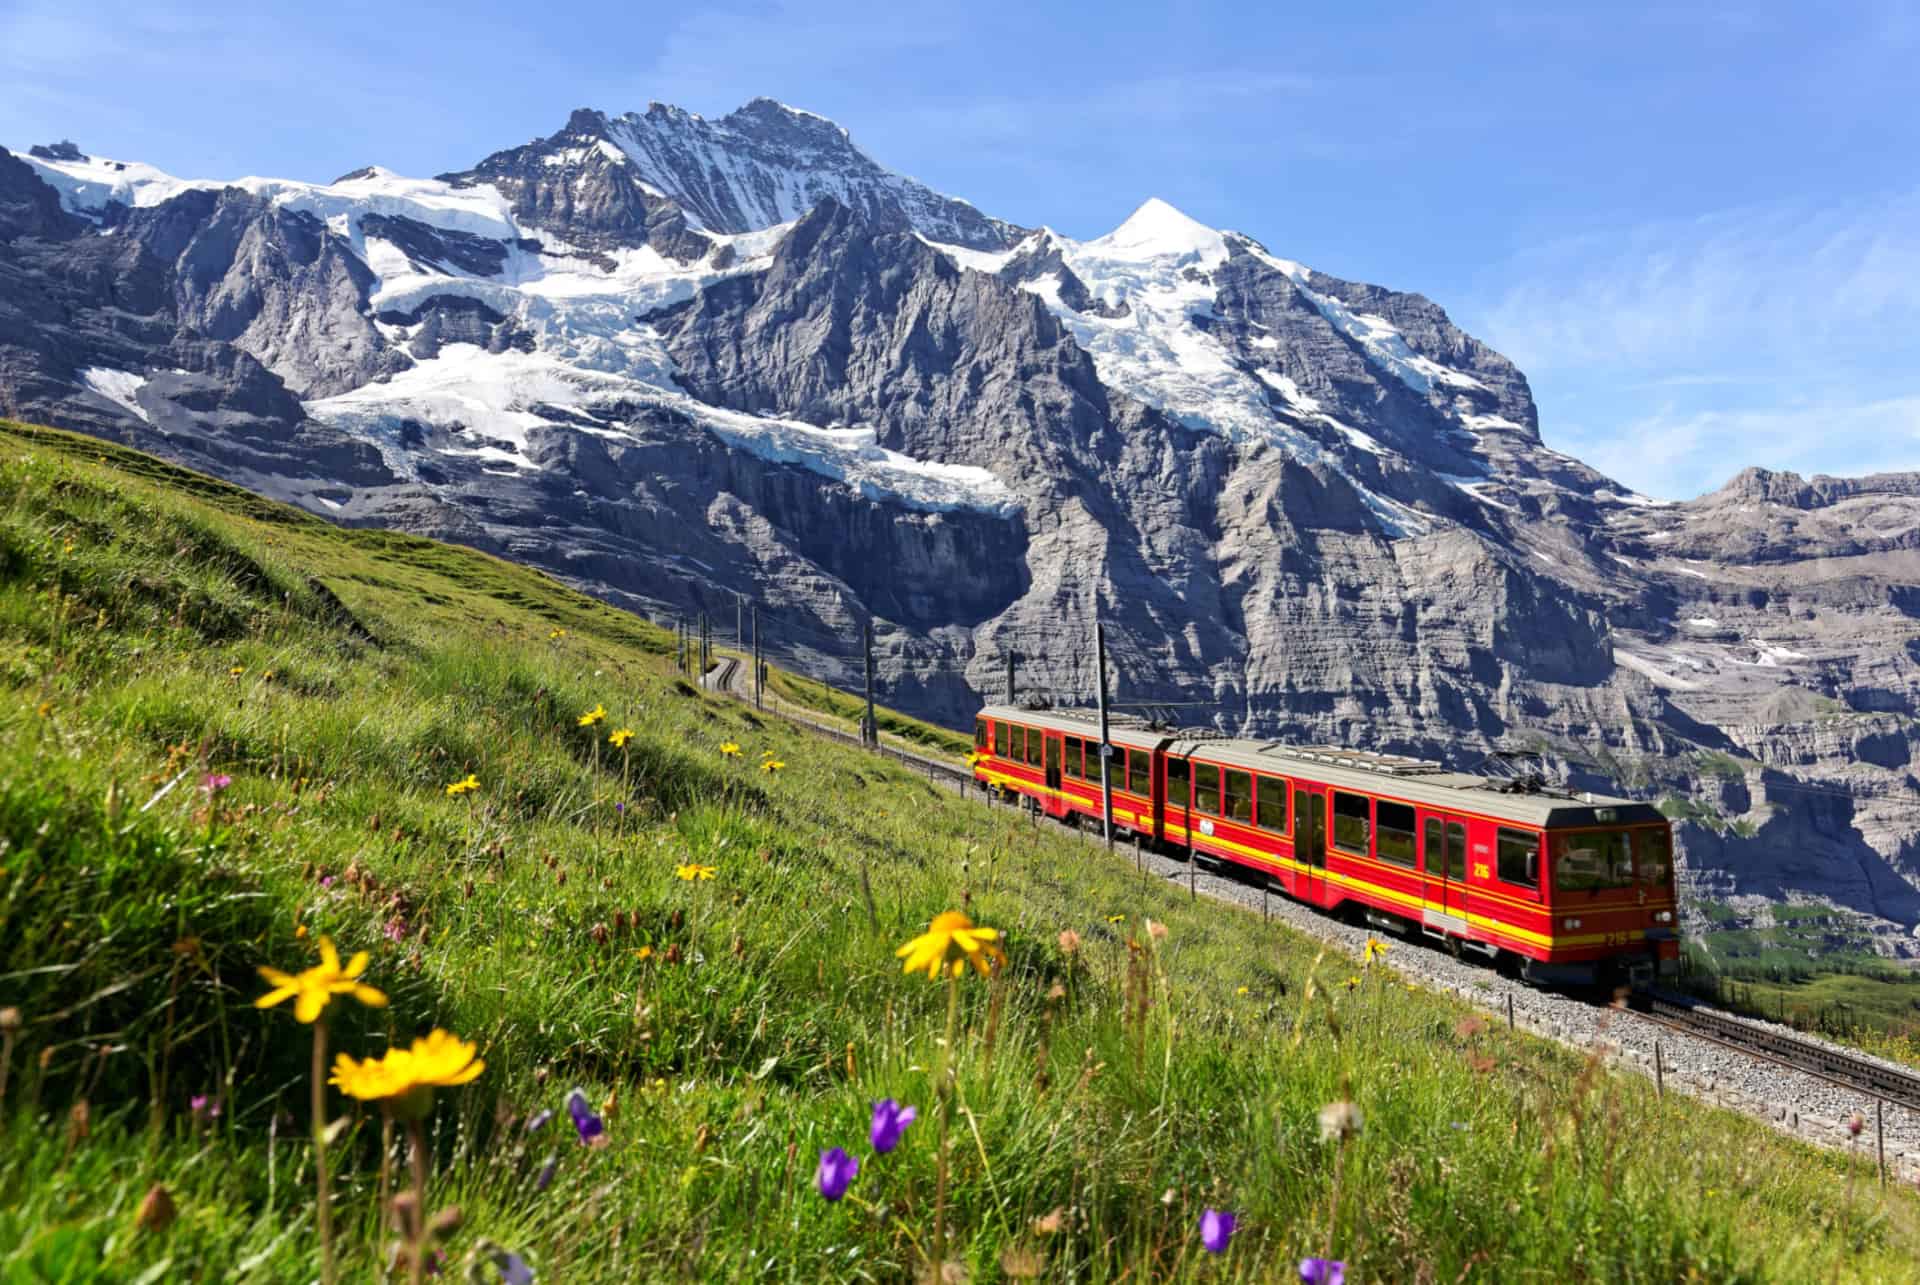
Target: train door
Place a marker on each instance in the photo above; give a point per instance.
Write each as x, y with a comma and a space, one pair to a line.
1446, 862
1310, 849
1176, 796
1056, 800
1157, 786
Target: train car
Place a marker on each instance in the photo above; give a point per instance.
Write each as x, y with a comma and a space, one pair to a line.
1053, 757
1575, 888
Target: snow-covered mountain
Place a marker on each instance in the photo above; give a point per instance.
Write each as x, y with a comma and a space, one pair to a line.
678, 360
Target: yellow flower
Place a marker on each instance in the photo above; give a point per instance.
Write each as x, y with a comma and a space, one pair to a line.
440, 1061
766, 754
730, 749
461, 787
45, 710
312, 990
620, 738
770, 766
594, 715
1376, 949
558, 633
952, 937
1116, 919
643, 954
694, 871
1241, 991
237, 670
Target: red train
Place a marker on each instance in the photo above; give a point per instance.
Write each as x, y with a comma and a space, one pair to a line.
1412, 846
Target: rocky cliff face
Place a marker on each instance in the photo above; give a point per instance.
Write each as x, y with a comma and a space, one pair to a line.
681, 361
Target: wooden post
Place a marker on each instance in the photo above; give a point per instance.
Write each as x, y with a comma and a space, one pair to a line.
1106, 743
1880, 1135
1265, 888
1659, 1072
1509, 1010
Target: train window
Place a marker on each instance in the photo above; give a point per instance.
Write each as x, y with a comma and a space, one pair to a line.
1656, 855
1206, 788
1034, 738
1072, 745
1000, 740
1053, 762
1395, 839
1352, 823
1140, 772
1456, 852
1433, 851
1239, 787
982, 734
1273, 800
1177, 796
1519, 858
1592, 860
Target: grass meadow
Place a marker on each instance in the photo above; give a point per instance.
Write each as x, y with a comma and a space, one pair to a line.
229, 730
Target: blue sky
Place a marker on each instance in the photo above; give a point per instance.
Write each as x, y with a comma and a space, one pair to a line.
1695, 226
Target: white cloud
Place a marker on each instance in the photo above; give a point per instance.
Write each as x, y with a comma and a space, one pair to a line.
1764, 281
1677, 454
1672, 353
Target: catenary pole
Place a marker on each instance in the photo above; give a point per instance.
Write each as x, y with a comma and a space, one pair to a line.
1106, 744
872, 729
756, 655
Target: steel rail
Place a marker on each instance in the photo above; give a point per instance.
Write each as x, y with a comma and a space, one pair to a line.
1858, 1074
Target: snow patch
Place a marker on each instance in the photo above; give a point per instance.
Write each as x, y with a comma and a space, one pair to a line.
1647, 669
1158, 231
118, 387
1772, 655
497, 400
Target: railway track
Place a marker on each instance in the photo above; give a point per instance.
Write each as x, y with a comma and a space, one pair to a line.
1856, 1074
1860, 1074
728, 677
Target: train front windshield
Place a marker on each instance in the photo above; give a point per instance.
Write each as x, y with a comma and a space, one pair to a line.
1604, 860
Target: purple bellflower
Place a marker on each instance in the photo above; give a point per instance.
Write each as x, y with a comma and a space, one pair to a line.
591, 1128
890, 1121
1216, 1229
1322, 1271
837, 1170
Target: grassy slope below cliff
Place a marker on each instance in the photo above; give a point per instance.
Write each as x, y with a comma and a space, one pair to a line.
154, 623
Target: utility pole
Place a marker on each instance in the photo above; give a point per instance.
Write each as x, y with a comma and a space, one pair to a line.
756, 655
679, 644
739, 622
870, 730
706, 641
1106, 744
1010, 693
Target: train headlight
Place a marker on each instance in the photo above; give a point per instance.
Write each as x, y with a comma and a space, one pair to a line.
1570, 923
1663, 917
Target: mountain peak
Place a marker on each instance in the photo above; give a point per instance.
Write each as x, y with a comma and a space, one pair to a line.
1157, 230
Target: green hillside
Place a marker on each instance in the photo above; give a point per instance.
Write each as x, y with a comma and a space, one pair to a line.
160, 631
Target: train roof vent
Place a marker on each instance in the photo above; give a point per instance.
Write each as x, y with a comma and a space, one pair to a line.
1364, 760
